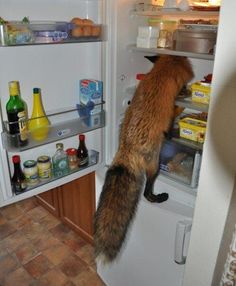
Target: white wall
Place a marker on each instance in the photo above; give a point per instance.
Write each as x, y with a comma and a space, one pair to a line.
219, 158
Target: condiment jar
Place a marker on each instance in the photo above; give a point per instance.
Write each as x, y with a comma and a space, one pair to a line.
44, 167
72, 158
31, 172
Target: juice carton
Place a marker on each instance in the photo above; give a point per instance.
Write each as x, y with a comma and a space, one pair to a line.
90, 101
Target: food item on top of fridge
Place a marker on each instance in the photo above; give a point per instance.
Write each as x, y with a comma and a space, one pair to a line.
31, 172
39, 123
82, 151
87, 31
18, 179
60, 161
17, 117
96, 30
77, 32
44, 167
198, 21
72, 158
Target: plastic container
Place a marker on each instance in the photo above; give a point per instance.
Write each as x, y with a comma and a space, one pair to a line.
201, 92
167, 28
31, 172
195, 41
44, 167
192, 129
148, 31
146, 42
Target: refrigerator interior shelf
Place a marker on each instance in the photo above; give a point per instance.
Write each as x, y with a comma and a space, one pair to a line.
15, 33
78, 120
188, 143
93, 160
163, 51
175, 12
185, 102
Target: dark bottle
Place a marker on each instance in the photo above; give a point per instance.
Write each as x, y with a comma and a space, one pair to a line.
18, 180
82, 151
16, 114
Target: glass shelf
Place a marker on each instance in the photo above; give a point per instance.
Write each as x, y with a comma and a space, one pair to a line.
78, 120
15, 33
93, 160
163, 51
188, 143
174, 12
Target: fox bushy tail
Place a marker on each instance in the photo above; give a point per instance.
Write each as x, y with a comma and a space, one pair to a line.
116, 209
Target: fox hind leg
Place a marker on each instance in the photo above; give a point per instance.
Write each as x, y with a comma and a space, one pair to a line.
152, 172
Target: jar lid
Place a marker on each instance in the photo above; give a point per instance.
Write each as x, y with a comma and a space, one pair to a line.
29, 163
16, 159
43, 159
71, 151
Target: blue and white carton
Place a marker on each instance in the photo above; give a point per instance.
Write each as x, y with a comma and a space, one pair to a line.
90, 101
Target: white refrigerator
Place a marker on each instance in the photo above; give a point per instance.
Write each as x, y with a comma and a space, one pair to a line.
157, 242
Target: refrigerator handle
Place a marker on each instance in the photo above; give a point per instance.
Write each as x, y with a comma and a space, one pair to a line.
182, 228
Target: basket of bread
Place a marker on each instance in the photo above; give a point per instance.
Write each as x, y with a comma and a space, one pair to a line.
84, 28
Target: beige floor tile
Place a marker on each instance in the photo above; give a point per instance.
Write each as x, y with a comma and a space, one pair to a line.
57, 253
19, 277
38, 266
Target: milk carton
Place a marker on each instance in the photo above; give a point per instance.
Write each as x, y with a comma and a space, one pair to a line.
90, 101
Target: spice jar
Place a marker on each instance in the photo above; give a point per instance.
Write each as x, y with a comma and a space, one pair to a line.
44, 167
31, 172
72, 158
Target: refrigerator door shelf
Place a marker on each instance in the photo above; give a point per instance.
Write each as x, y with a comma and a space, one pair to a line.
63, 124
93, 160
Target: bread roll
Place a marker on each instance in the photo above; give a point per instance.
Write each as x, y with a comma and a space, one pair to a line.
87, 31
87, 22
77, 21
77, 32
96, 30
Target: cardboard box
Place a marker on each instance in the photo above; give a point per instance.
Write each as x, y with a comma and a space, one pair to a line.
90, 101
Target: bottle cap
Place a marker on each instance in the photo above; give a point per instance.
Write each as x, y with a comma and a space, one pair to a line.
35, 90
59, 146
71, 151
81, 137
13, 88
16, 159
43, 159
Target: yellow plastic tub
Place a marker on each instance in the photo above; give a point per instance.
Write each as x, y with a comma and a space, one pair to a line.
192, 129
201, 92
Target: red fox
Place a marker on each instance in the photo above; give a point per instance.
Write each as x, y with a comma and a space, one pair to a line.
135, 165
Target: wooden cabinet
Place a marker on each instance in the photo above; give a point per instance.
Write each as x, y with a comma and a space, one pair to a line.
74, 204
49, 200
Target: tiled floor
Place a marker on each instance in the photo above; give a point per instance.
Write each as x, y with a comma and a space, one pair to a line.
36, 249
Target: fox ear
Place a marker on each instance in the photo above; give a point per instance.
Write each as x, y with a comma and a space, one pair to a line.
152, 59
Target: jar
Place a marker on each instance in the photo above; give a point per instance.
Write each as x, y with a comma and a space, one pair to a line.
139, 77
44, 167
31, 172
167, 28
72, 158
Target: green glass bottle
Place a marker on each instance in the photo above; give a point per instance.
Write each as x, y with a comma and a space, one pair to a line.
17, 117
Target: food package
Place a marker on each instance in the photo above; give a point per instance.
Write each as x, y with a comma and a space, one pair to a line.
192, 129
90, 101
201, 92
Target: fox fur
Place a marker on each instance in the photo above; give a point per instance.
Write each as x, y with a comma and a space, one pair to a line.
135, 165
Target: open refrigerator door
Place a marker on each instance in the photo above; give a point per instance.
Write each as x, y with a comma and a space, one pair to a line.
52, 48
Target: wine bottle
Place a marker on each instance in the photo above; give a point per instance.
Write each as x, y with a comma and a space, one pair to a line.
17, 118
39, 123
18, 180
82, 151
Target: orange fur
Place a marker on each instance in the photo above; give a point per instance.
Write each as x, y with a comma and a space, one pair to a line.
146, 120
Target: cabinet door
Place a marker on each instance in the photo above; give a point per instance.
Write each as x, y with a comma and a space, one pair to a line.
77, 205
49, 200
